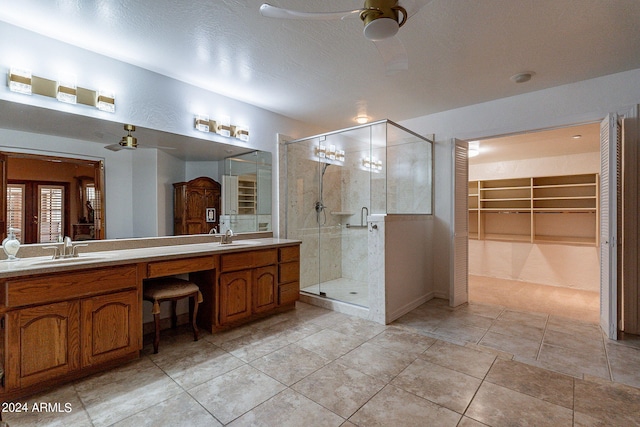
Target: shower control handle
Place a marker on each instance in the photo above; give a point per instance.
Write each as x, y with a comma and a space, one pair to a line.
374, 226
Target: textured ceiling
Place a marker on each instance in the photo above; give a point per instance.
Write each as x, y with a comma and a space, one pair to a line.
461, 52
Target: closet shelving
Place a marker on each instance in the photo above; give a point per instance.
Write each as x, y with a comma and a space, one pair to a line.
247, 195
551, 209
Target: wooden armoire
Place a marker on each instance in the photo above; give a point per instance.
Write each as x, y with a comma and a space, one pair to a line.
196, 206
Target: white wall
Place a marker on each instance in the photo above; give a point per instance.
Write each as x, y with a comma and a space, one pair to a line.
575, 164
581, 102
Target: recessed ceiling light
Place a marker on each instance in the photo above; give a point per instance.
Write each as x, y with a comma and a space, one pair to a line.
576, 136
522, 77
362, 119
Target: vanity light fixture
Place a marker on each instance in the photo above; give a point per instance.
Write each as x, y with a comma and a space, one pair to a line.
330, 154
106, 101
223, 126
202, 123
240, 132
372, 164
67, 90
19, 81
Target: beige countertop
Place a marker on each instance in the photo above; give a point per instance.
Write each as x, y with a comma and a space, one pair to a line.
93, 259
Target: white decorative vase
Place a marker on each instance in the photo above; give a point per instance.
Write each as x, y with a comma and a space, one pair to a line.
11, 245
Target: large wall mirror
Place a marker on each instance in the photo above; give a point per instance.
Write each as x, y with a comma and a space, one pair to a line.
246, 193
49, 197
109, 194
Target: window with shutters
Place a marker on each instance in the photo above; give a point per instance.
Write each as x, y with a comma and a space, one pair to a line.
51, 213
15, 208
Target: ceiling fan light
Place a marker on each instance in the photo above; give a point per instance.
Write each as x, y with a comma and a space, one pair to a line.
381, 28
129, 142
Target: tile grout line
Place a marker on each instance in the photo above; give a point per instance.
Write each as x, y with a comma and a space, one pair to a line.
544, 334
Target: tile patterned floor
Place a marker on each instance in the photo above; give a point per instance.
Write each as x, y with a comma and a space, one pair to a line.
478, 365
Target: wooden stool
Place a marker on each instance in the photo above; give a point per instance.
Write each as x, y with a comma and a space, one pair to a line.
170, 289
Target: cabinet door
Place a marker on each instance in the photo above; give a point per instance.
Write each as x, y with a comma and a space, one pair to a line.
235, 296
43, 343
195, 211
110, 327
265, 287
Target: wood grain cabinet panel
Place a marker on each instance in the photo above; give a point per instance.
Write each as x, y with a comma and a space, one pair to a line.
43, 343
235, 296
61, 287
265, 290
288, 275
180, 266
111, 327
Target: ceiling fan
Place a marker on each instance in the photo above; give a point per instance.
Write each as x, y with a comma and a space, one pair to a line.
382, 19
130, 142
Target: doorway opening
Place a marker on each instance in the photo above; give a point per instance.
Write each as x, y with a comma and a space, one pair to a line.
534, 222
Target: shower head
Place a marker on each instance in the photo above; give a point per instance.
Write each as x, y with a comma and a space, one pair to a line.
324, 168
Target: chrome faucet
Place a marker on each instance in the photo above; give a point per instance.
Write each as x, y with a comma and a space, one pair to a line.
67, 249
213, 231
227, 237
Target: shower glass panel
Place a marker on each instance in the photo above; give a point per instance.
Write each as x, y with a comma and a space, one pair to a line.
334, 182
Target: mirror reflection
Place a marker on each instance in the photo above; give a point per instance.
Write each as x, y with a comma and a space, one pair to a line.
49, 197
246, 189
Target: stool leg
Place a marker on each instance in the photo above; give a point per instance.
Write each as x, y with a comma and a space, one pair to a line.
156, 339
174, 316
195, 315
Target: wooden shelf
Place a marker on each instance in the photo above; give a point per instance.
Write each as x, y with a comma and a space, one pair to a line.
551, 209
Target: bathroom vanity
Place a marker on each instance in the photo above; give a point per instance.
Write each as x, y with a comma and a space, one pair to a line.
66, 318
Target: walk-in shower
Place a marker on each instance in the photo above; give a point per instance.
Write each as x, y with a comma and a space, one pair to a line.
336, 184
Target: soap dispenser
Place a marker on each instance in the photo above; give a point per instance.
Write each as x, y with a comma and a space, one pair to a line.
11, 244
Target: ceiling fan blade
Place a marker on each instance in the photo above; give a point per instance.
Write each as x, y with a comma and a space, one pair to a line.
413, 6
393, 54
270, 11
159, 147
114, 147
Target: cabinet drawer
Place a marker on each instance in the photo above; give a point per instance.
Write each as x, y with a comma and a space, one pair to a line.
289, 272
246, 260
51, 288
290, 253
288, 293
262, 258
179, 266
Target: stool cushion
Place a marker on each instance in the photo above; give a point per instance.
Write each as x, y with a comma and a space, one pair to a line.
157, 290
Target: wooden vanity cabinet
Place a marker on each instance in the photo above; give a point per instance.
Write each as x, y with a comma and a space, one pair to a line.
62, 325
247, 285
235, 296
43, 343
288, 274
108, 327
265, 289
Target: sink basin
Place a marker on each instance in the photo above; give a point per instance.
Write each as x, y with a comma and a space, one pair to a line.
72, 260
239, 243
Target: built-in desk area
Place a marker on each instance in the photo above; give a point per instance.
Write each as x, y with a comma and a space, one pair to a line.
66, 318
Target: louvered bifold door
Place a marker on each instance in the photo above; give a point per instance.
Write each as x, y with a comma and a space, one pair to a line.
459, 289
609, 185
